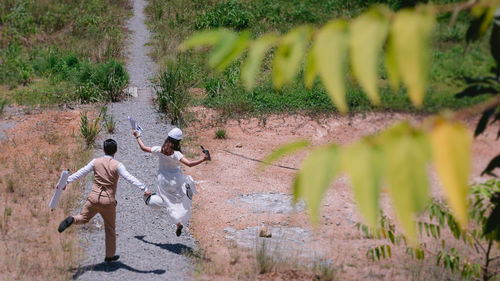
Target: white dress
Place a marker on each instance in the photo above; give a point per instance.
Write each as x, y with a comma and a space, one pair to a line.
171, 198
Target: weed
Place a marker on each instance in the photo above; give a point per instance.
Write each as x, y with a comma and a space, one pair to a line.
3, 103
88, 92
220, 133
89, 129
7, 212
265, 260
10, 185
171, 91
324, 271
110, 124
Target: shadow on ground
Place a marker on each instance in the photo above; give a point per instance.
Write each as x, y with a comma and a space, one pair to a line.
179, 249
110, 267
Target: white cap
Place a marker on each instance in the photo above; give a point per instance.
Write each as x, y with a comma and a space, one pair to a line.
175, 133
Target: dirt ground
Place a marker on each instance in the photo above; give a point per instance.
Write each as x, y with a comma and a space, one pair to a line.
231, 174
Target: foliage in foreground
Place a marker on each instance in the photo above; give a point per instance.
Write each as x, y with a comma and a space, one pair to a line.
449, 254
398, 156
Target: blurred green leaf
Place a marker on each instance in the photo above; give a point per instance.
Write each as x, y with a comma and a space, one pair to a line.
227, 50
368, 33
311, 68
204, 38
256, 54
284, 150
410, 39
289, 55
331, 47
363, 163
406, 156
315, 176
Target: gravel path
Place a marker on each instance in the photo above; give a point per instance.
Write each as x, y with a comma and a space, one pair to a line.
148, 247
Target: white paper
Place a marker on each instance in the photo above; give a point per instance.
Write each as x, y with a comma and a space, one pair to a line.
60, 185
134, 125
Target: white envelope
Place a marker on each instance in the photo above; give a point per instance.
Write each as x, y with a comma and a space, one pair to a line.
60, 185
134, 125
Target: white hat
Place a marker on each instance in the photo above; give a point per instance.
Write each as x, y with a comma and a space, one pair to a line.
175, 133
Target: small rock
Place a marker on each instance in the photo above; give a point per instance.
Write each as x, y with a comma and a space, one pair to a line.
238, 145
265, 232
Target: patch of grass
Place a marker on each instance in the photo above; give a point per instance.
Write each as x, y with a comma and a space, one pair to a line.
177, 20
324, 271
265, 261
3, 103
7, 212
172, 93
220, 133
57, 42
89, 129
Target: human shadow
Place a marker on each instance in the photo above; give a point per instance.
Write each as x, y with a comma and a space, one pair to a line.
179, 249
110, 267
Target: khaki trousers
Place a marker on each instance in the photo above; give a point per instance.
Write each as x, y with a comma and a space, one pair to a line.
106, 206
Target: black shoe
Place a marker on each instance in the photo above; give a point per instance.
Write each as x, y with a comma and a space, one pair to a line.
179, 230
189, 192
111, 259
65, 224
147, 198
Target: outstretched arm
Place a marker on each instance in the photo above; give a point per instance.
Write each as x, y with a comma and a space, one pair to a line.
131, 179
139, 141
191, 163
82, 172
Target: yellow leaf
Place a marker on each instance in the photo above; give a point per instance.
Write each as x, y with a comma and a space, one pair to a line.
406, 156
289, 55
363, 163
256, 53
284, 150
204, 38
451, 144
410, 39
315, 176
331, 51
368, 33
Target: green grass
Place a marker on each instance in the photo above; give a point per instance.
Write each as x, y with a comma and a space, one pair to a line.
65, 50
174, 20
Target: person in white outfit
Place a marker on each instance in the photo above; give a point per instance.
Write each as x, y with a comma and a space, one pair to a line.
174, 190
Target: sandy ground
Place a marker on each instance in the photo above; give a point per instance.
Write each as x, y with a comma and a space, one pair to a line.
229, 176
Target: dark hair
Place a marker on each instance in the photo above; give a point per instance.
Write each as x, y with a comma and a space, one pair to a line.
110, 146
176, 143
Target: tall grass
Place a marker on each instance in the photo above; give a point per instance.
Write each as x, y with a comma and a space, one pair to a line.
171, 92
88, 128
174, 20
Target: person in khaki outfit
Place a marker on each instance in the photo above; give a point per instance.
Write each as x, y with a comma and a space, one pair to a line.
102, 196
